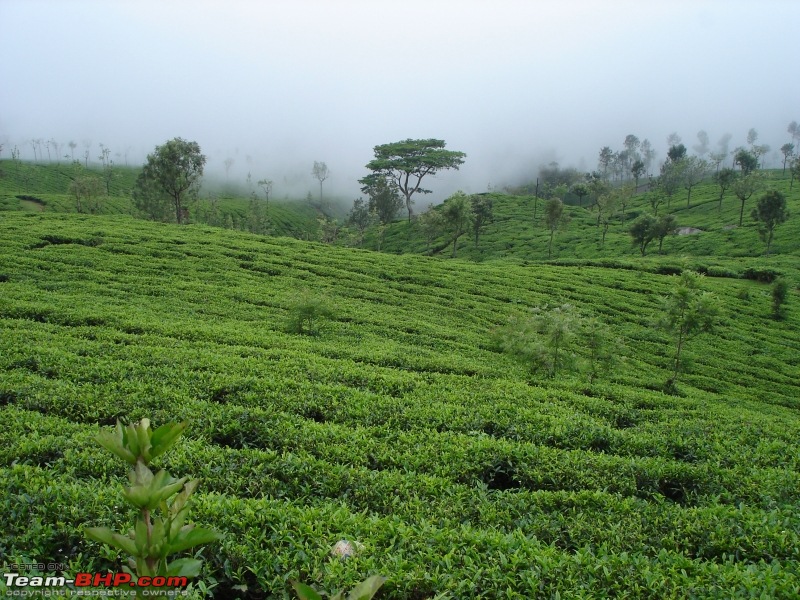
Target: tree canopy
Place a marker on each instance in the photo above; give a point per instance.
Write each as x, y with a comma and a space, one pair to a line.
171, 175
769, 213
406, 163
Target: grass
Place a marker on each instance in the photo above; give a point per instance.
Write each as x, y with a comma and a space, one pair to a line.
399, 425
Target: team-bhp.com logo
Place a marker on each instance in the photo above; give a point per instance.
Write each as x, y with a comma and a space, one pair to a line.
109, 583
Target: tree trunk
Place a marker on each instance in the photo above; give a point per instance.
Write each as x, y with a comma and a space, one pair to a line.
769, 240
678, 355
550, 246
741, 211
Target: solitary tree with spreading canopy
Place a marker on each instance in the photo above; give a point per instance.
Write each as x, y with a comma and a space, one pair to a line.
171, 174
769, 213
406, 163
643, 231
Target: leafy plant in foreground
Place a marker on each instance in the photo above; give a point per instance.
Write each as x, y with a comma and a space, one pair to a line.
363, 591
160, 530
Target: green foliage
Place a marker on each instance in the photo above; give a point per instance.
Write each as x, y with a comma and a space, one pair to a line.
643, 231
676, 153
694, 170
780, 293
554, 219
664, 226
160, 530
404, 165
687, 311
403, 428
724, 178
769, 213
363, 591
171, 176
384, 199
482, 213
672, 178
581, 190
458, 216
745, 185
361, 217
432, 224
747, 161
548, 339
308, 313
85, 188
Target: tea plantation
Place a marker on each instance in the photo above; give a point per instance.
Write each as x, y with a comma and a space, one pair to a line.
399, 426
44, 188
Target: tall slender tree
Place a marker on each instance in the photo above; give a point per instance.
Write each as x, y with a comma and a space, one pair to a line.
320, 173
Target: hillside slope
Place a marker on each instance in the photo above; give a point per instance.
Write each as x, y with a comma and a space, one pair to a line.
514, 234
399, 425
44, 188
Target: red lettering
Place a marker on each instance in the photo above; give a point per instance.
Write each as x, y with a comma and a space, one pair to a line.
104, 579
83, 579
121, 578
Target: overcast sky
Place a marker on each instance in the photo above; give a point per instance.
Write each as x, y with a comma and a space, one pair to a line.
276, 85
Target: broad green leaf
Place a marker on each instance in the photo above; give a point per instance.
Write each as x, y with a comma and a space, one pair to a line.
143, 438
165, 437
99, 534
124, 543
367, 588
141, 536
305, 592
144, 476
131, 440
196, 536
138, 495
111, 442
184, 567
